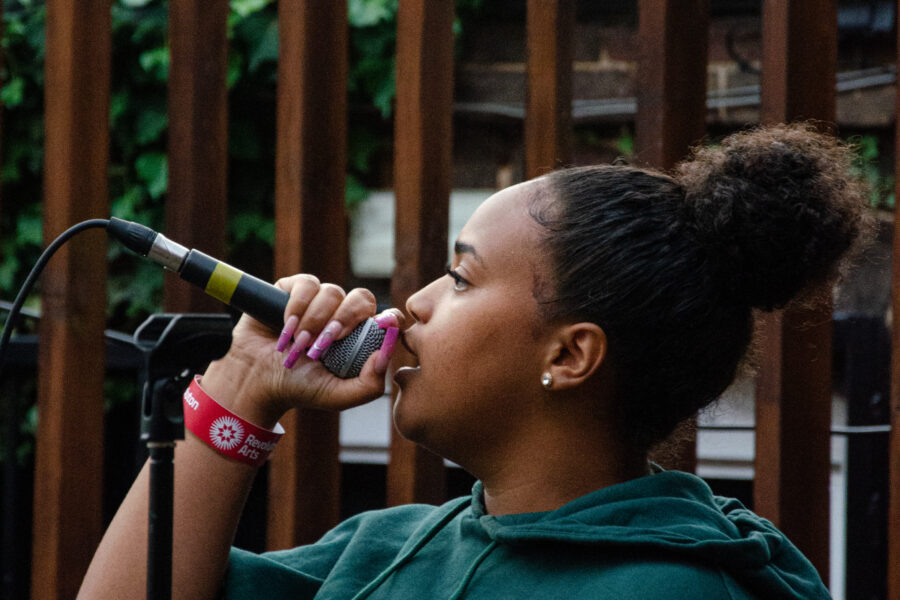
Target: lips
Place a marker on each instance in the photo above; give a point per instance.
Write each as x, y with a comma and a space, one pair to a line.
404, 339
402, 374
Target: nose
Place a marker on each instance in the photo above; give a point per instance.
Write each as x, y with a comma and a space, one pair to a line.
421, 303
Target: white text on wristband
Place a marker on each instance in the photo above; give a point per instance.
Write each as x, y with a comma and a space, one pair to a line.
225, 431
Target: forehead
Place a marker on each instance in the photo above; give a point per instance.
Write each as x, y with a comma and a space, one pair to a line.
504, 212
502, 230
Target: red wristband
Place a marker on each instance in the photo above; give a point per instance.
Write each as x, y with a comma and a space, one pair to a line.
225, 431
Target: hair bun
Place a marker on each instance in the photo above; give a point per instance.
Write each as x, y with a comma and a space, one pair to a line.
776, 209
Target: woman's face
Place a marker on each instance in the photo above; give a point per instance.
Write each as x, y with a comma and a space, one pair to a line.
477, 334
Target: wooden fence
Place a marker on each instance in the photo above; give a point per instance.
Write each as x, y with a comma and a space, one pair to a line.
793, 413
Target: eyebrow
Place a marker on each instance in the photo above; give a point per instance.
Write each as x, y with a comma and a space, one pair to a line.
464, 248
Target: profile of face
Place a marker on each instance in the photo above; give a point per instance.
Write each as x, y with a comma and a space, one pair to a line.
477, 333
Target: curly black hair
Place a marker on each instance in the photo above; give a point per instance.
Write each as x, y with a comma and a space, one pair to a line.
673, 267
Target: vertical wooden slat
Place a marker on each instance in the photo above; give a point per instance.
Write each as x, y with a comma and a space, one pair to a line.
196, 203
422, 171
671, 117
671, 84
68, 473
311, 236
548, 117
893, 526
793, 397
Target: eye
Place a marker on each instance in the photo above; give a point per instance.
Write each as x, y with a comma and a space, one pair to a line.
459, 282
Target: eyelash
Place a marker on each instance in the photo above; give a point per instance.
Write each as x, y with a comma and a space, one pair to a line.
459, 282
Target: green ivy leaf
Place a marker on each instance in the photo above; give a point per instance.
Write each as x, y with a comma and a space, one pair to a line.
235, 69
153, 169
365, 13
267, 48
384, 94
8, 267
248, 226
625, 143
126, 205
354, 191
156, 62
245, 8
30, 425
30, 227
362, 145
118, 105
151, 122
13, 92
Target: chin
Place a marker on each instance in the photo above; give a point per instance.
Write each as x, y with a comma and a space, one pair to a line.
408, 424
427, 430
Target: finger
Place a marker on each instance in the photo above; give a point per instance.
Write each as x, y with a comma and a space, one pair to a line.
357, 306
346, 393
392, 317
302, 289
317, 320
387, 350
369, 384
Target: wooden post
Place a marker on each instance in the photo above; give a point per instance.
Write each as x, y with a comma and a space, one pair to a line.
893, 525
68, 519
548, 118
422, 169
310, 236
196, 202
793, 397
671, 117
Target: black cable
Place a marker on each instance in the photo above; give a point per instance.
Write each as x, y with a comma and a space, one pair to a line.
34, 274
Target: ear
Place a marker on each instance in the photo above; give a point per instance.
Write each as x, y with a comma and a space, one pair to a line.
578, 351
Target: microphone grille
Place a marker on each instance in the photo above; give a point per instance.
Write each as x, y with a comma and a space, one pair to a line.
346, 357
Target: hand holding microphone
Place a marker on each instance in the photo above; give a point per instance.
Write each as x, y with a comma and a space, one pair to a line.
266, 303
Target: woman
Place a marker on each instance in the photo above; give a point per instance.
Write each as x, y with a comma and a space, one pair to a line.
585, 314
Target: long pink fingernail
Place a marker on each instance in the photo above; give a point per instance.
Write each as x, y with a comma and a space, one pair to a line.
387, 349
289, 326
386, 320
324, 340
300, 343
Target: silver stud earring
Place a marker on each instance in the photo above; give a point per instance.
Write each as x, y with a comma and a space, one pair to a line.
547, 380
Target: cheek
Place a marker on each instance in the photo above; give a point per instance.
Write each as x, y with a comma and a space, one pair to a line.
480, 353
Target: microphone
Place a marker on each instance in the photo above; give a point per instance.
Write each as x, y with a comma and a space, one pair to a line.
262, 301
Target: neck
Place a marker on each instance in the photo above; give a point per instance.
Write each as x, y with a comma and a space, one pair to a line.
555, 466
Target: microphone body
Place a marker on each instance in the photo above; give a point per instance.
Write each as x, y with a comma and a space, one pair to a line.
248, 294
262, 301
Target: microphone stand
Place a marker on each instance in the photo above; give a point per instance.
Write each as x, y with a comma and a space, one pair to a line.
174, 346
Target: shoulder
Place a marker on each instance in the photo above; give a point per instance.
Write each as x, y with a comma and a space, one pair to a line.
672, 580
363, 544
379, 531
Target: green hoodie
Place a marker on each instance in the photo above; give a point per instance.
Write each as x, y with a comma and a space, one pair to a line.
660, 536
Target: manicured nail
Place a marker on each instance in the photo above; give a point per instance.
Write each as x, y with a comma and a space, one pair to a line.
300, 343
387, 349
324, 340
386, 320
284, 339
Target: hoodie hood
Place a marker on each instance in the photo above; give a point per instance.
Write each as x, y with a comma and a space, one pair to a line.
669, 512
